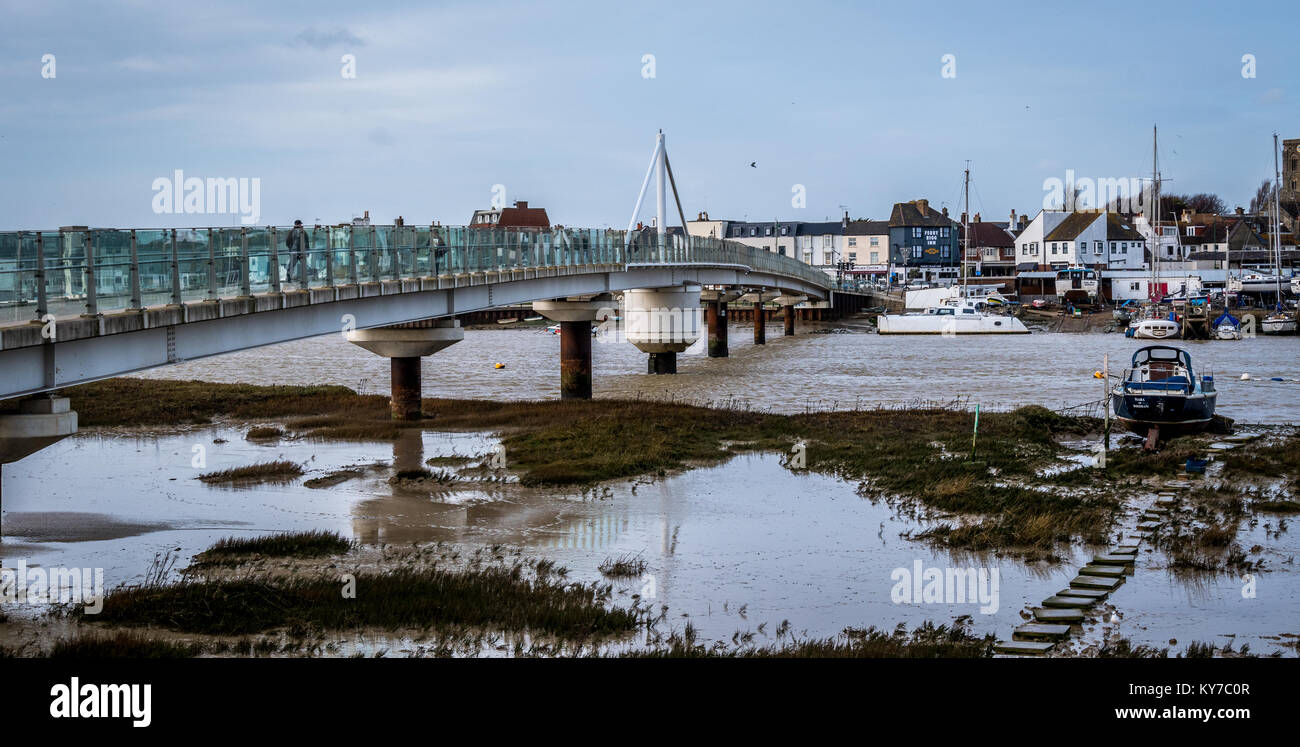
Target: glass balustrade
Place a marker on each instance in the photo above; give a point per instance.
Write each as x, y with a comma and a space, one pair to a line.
71, 271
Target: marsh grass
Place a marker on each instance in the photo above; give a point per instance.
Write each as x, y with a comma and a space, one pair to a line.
263, 433
280, 470
495, 597
623, 566
314, 543
121, 645
919, 454
926, 641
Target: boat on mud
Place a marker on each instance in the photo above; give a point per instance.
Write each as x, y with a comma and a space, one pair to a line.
1160, 395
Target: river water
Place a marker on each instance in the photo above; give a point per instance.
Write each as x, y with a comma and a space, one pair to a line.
843, 368
728, 548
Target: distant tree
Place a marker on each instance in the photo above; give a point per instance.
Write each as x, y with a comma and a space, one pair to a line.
1205, 202
1263, 197
1172, 205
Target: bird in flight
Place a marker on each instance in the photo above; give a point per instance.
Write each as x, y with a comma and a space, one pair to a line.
753, 164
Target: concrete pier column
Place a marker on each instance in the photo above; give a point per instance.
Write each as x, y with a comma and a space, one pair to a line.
404, 345
788, 315
662, 363
575, 316
575, 360
405, 400
717, 323
760, 324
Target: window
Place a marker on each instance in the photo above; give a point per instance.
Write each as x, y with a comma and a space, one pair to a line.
916, 232
1112, 247
782, 250
875, 241
853, 241
828, 258
826, 241
1083, 247
1053, 247
947, 252
767, 232
916, 252
1097, 246
875, 258
1134, 286
853, 257
751, 232
785, 230
807, 242
945, 233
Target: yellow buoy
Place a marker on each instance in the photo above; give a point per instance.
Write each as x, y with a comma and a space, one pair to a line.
500, 365
1096, 374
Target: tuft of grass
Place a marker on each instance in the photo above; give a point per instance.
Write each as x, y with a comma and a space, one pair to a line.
263, 432
623, 566
927, 641
333, 478
314, 543
265, 471
1277, 507
121, 645
496, 597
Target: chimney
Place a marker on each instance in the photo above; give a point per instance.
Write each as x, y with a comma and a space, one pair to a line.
702, 216
1013, 219
1240, 210
977, 217
521, 204
945, 211
367, 215
923, 206
963, 217
845, 223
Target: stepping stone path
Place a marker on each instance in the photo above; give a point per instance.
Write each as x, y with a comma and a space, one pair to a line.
1069, 602
1044, 614
1059, 614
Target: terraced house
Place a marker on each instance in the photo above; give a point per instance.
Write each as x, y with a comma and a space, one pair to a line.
923, 243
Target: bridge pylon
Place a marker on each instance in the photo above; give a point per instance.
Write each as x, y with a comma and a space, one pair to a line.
404, 345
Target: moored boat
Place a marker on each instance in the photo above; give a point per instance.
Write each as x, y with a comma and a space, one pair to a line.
1154, 329
1160, 395
1278, 323
959, 316
1227, 327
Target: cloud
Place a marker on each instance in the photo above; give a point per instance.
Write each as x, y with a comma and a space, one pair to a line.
325, 39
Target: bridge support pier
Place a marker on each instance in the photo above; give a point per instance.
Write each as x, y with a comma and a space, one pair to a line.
662, 363
404, 345
788, 316
717, 324
575, 318
760, 323
575, 360
40, 421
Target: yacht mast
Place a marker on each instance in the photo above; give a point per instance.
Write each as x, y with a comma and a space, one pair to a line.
1276, 223
965, 231
1155, 212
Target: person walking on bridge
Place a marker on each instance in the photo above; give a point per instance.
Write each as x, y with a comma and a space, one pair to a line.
296, 242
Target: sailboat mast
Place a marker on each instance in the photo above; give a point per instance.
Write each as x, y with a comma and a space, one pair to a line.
1277, 226
965, 230
1155, 211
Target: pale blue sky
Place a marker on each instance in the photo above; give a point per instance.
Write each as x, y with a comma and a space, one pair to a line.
846, 99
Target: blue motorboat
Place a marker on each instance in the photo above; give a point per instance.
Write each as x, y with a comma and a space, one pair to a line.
1160, 395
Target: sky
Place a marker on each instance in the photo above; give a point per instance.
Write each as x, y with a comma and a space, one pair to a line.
556, 103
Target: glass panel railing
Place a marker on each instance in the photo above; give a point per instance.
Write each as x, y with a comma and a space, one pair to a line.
229, 262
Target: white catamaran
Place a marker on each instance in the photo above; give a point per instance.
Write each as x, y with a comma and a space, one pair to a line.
965, 313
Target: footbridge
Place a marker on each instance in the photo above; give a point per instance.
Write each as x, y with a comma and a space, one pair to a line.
79, 304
